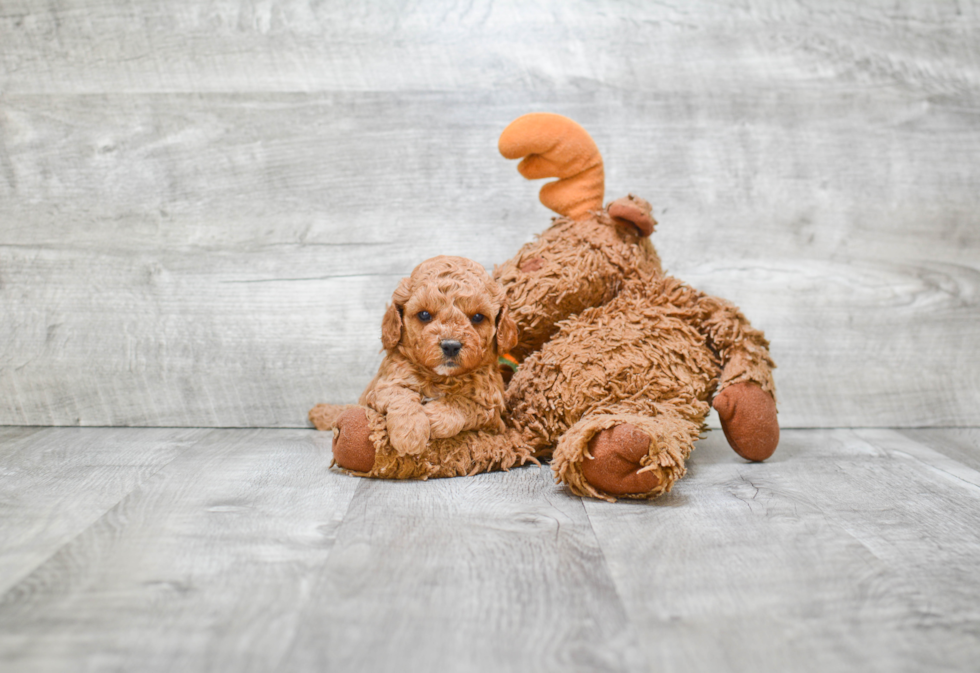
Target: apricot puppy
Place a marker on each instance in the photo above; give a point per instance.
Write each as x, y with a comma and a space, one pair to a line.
442, 333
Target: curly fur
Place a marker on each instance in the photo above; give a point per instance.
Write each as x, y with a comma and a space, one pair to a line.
424, 392
466, 454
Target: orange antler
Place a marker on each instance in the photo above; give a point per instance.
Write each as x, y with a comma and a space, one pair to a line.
553, 146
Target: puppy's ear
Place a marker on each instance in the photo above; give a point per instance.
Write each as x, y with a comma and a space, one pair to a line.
506, 331
391, 324
391, 327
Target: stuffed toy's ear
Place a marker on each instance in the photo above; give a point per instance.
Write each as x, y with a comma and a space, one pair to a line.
391, 327
633, 211
506, 331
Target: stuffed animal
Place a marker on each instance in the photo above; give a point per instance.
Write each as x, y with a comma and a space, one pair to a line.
617, 362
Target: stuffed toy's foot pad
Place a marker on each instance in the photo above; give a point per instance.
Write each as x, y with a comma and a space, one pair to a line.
748, 417
615, 464
352, 446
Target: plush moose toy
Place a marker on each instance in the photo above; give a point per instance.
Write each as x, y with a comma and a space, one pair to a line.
617, 363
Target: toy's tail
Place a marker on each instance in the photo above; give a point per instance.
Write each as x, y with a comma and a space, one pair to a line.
553, 146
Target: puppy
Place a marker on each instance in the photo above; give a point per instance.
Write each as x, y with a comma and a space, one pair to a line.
443, 333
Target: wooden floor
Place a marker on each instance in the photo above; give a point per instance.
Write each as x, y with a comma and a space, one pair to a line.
240, 550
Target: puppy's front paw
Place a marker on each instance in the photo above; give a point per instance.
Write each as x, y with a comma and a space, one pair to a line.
444, 420
408, 433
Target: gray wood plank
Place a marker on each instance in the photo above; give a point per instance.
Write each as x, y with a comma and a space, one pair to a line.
54, 484
841, 553
908, 449
960, 444
441, 45
200, 345
848, 550
232, 173
11, 437
206, 566
256, 339
498, 572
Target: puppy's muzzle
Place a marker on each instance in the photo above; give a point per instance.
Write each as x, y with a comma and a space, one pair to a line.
450, 348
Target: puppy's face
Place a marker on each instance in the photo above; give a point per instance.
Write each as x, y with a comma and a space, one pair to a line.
449, 317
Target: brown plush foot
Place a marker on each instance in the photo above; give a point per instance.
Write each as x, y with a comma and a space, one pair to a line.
748, 417
615, 464
352, 446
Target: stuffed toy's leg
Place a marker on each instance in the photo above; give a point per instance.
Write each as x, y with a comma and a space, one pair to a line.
625, 455
361, 446
619, 394
746, 398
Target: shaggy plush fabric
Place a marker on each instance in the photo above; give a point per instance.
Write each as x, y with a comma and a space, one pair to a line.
612, 347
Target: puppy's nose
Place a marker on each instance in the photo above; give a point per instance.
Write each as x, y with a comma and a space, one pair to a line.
450, 348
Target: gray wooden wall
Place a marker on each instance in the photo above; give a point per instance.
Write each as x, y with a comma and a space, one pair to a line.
204, 206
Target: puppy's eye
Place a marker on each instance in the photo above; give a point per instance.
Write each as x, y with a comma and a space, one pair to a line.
477, 318
424, 316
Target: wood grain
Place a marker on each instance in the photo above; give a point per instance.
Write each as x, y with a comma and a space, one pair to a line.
496, 572
204, 567
804, 177
959, 444
13, 436
201, 339
56, 483
847, 551
843, 552
298, 45
204, 210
